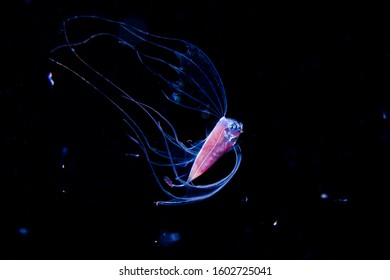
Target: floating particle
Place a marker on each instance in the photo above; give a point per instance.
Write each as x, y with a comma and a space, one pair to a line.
324, 196
168, 238
50, 78
64, 151
132, 155
23, 231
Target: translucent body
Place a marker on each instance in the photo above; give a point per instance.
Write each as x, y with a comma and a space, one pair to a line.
188, 79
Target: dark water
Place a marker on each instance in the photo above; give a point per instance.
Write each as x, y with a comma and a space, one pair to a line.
311, 85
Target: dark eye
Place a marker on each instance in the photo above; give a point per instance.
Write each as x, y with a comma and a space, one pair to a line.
233, 126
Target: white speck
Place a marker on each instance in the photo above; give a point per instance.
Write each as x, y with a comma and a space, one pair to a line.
132, 155
275, 223
324, 196
63, 166
342, 200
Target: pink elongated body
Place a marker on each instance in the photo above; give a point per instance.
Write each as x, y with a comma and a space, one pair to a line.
188, 79
218, 142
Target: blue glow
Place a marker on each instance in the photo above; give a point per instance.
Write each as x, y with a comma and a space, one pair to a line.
50, 78
166, 239
23, 231
64, 151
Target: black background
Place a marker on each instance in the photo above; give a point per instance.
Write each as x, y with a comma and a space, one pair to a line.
310, 82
